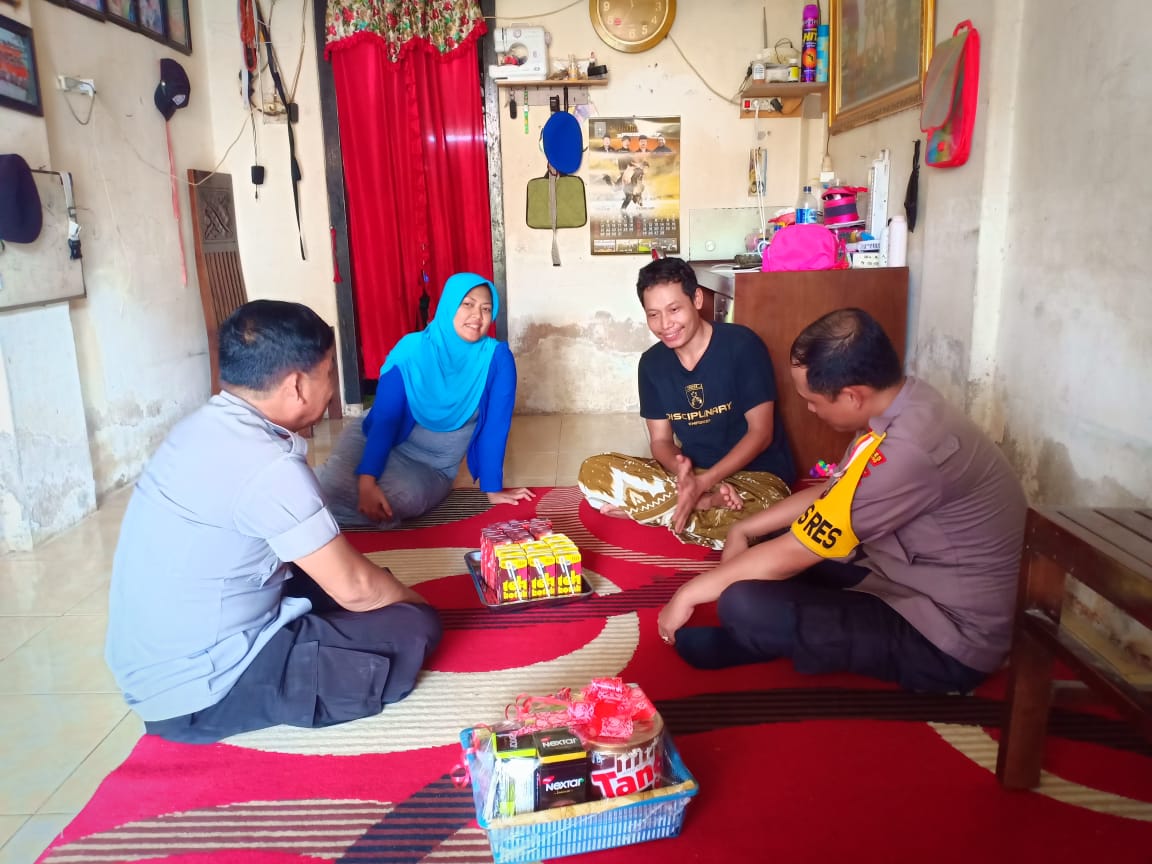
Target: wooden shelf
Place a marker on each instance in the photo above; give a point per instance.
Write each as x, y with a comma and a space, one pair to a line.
553, 83
791, 94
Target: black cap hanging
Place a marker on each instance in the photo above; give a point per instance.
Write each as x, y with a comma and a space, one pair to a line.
912, 193
173, 90
21, 216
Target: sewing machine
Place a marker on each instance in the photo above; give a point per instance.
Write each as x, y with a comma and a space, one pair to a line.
521, 54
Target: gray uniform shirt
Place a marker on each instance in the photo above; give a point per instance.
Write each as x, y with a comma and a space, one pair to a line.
197, 578
941, 524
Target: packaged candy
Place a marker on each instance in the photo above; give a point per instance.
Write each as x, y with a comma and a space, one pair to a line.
562, 772
526, 560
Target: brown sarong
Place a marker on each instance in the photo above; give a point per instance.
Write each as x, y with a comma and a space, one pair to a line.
647, 493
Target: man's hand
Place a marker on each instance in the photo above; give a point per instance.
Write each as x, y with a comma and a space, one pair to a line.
373, 502
688, 492
352, 580
673, 616
736, 542
511, 496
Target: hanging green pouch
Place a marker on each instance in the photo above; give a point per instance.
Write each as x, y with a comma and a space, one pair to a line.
556, 201
571, 202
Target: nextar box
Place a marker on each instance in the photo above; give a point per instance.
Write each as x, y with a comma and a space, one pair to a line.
562, 773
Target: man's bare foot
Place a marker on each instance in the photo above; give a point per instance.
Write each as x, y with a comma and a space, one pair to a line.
614, 511
708, 501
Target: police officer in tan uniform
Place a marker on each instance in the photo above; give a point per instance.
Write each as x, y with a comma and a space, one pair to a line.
901, 567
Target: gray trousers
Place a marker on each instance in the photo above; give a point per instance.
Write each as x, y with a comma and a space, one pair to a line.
327, 667
411, 487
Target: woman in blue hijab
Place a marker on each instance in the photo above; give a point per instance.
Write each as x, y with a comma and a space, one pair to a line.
444, 392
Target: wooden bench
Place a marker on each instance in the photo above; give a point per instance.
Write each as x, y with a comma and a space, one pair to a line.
1107, 550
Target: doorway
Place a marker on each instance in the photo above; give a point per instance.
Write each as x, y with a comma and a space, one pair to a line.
358, 386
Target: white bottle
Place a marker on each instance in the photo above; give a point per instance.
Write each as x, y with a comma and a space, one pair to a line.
807, 208
897, 241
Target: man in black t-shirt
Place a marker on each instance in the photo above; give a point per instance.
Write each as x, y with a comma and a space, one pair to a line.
710, 387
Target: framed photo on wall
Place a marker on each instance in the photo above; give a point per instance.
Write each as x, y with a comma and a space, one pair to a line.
151, 16
879, 53
19, 85
123, 12
94, 8
179, 27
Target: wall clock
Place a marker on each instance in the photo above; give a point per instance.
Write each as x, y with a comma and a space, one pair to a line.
632, 25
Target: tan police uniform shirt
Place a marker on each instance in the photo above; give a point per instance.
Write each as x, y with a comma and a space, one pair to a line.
930, 505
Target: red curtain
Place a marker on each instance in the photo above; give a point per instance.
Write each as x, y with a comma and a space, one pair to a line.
416, 178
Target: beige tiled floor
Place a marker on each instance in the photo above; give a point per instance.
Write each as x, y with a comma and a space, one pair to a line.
64, 725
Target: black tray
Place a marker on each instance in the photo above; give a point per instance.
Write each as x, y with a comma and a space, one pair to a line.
491, 601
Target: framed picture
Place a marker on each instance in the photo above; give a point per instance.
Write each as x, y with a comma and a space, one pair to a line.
94, 8
151, 17
123, 12
179, 27
879, 54
19, 86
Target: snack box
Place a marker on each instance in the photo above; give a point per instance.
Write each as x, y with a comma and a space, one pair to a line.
492, 598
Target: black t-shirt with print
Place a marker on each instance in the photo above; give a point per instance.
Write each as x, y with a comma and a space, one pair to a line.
707, 405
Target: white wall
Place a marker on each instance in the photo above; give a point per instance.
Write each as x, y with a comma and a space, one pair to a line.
1030, 273
140, 360
269, 249
1030, 302
1076, 335
578, 330
45, 468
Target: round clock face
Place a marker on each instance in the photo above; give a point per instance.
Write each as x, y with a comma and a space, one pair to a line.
632, 25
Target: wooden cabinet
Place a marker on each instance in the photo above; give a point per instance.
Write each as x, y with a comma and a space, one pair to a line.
779, 305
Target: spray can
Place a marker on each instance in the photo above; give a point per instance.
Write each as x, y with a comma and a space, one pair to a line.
822, 54
808, 39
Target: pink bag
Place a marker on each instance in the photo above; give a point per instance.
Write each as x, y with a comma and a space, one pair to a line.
805, 247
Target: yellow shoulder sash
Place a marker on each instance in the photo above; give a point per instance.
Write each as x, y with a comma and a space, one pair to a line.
826, 526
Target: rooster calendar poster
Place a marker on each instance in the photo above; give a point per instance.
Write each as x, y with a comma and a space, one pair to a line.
633, 184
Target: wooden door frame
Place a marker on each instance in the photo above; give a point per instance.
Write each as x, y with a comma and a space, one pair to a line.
348, 341
338, 211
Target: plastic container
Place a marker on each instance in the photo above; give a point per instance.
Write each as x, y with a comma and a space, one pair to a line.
582, 828
822, 54
807, 208
811, 26
897, 241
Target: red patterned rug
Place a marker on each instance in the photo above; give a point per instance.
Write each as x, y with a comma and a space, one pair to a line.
790, 768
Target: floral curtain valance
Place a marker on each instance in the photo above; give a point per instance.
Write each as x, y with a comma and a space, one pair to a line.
442, 25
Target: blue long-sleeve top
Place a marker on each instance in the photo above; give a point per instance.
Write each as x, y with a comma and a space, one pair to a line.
390, 421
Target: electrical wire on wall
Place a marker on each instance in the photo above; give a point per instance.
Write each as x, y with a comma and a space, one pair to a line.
759, 173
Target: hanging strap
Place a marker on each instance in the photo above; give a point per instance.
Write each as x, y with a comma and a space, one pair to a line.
274, 68
552, 214
176, 205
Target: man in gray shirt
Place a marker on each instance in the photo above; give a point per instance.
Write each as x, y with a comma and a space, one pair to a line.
902, 566
236, 604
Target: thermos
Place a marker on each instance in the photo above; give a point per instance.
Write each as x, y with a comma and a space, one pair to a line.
897, 241
822, 54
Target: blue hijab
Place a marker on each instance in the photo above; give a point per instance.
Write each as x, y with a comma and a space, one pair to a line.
444, 376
